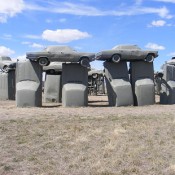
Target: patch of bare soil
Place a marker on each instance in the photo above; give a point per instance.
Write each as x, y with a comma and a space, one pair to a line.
97, 139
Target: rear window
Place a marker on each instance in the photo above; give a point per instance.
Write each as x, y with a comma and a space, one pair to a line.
4, 58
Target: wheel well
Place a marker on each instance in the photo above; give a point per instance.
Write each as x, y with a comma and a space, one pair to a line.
5, 66
152, 59
43, 57
151, 54
116, 54
83, 57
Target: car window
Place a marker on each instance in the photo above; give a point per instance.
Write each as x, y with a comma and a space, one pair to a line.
127, 47
59, 49
4, 58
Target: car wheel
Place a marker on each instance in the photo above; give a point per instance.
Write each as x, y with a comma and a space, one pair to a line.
5, 69
94, 76
85, 62
116, 58
149, 58
43, 61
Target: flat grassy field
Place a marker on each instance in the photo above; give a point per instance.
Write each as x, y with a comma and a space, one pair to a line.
96, 140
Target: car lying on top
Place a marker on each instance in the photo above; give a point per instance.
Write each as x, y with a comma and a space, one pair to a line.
6, 64
128, 53
60, 54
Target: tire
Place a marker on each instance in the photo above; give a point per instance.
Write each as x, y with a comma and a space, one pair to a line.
43, 61
94, 76
85, 62
116, 58
5, 69
149, 58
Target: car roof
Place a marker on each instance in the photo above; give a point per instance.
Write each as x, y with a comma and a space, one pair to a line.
59, 48
5, 58
126, 47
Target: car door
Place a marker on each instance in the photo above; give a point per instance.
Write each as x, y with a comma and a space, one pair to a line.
137, 54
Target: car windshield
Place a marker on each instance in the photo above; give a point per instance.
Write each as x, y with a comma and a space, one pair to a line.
5, 58
126, 47
59, 49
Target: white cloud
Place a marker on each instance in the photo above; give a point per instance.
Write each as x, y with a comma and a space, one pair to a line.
26, 42
138, 2
127, 11
6, 36
21, 57
9, 8
32, 36
49, 20
170, 25
158, 23
36, 45
163, 12
6, 51
169, 1
33, 45
154, 46
172, 54
64, 35
78, 48
62, 20
85, 10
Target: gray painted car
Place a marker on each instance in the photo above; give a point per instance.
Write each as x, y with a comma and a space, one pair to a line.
128, 53
6, 64
53, 67
60, 54
172, 61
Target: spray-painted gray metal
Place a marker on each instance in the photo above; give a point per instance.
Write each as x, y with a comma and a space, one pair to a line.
28, 84
7, 85
158, 81
127, 53
96, 83
52, 85
6, 64
167, 93
171, 62
74, 82
52, 88
53, 67
60, 54
142, 80
118, 85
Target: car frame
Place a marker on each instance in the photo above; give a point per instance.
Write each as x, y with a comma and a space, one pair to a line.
53, 68
60, 54
127, 53
6, 64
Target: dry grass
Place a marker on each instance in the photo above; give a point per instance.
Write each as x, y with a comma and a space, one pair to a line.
53, 141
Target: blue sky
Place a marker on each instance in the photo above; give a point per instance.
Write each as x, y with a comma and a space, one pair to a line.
87, 25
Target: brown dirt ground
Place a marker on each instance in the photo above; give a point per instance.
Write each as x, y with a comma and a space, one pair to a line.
97, 107
97, 139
